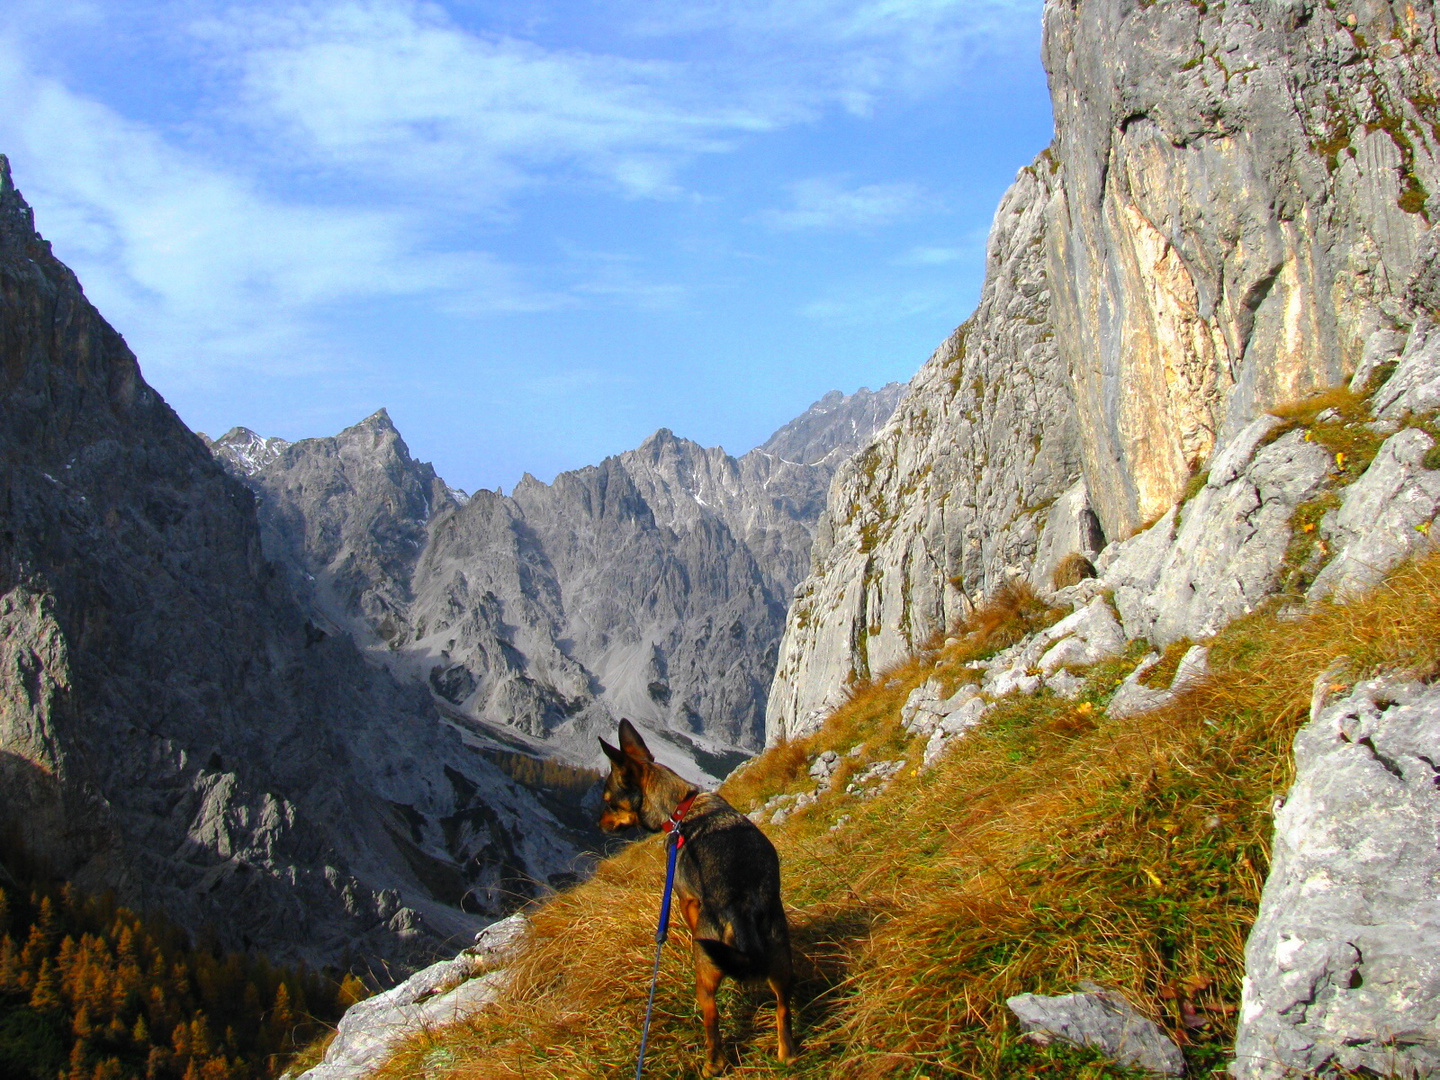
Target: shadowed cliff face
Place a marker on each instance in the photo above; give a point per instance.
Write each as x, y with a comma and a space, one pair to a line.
1228, 218
169, 724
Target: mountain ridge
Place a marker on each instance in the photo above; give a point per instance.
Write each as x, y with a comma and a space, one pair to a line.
557, 608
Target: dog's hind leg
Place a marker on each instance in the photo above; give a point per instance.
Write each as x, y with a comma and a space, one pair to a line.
707, 981
780, 984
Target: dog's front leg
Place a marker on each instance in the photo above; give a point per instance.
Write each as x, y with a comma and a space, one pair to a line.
707, 981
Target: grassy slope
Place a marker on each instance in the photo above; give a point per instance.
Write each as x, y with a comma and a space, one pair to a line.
1051, 845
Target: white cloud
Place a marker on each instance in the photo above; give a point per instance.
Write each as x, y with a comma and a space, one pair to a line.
394, 91
205, 265
332, 153
852, 51
825, 204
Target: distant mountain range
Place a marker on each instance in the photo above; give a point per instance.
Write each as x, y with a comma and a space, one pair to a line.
653, 585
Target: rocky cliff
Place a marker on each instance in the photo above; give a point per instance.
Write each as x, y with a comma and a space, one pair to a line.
1237, 197
653, 585
171, 723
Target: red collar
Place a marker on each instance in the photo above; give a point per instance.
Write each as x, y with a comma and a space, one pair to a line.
672, 823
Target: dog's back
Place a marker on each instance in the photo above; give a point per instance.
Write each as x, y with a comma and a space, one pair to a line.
732, 869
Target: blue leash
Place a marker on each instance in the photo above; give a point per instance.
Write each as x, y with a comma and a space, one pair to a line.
661, 932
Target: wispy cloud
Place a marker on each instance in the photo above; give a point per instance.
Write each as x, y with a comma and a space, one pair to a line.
826, 204
852, 51
939, 256
395, 91
230, 272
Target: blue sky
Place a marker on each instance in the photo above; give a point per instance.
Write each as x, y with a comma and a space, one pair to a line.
536, 232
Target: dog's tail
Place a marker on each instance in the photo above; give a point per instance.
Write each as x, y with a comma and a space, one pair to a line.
748, 957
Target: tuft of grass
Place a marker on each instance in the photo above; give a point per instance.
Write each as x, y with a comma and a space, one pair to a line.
1071, 570
1051, 845
1163, 674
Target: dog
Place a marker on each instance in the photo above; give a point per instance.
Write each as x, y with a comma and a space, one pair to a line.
727, 882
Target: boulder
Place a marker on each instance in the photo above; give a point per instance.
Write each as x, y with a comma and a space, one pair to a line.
1383, 518
1101, 1020
1342, 969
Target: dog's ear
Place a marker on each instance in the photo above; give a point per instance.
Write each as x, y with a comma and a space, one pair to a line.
632, 744
616, 755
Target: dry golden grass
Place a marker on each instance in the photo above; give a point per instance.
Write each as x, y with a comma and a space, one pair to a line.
1052, 845
1071, 570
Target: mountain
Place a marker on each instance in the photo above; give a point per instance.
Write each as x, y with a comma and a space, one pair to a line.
242, 451
653, 585
1229, 218
173, 723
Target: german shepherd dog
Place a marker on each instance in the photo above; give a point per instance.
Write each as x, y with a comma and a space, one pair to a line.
727, 882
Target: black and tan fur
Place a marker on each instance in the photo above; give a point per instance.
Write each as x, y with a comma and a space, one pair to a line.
727, 884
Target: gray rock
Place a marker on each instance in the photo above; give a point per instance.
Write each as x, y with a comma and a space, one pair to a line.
1414, 388
1224, 556
1100, 1020
1342, 969
1070, 528
835, 426
925, 708
922, 524
501, 939
952, 726
1383, 518
1132, 697
1086, 636
824, 766
1224, 223
444, 993
1234, 221
242, 451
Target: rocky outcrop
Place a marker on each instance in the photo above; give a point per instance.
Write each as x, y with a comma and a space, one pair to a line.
347, 518
446, 992
170, 724
651, 586
1233, 213
1342, 970
1219, 555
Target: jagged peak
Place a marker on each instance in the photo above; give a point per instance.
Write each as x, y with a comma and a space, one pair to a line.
665, 438
379, 419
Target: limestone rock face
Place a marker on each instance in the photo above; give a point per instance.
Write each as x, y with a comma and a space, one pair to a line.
1384, 517
1233, 213
1244, 191
1342, 969
651, 586
952, 493
170, 726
